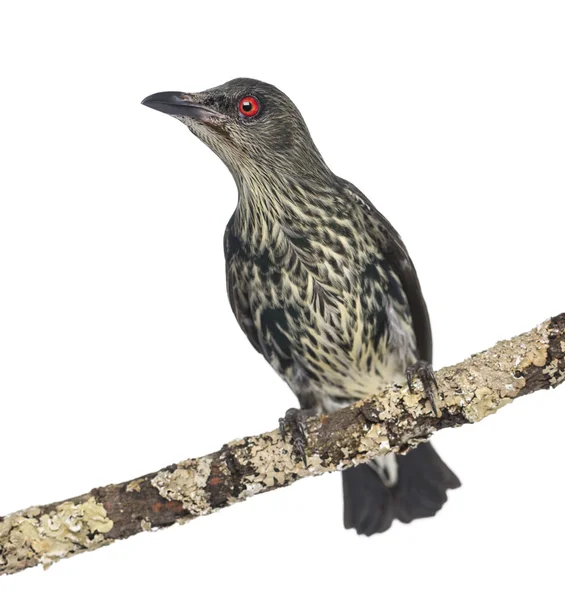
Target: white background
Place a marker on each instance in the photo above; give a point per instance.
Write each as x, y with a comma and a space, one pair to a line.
118, 350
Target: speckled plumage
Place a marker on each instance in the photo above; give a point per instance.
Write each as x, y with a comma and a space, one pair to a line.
314, 292
319, 281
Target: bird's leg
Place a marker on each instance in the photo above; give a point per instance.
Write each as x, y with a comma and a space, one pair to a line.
294, 422
425, 373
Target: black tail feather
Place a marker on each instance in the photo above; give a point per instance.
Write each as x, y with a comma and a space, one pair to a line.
421, 490
367, 502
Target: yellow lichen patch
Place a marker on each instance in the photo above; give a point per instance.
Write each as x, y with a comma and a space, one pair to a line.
236, 443
270, 459
412, 401
555, 375
316, 465
30, 537
386, 406
536, 356
133, 486
393, 403
186, 484
375, 440
486, 381
145, 525
486, 402
273, 463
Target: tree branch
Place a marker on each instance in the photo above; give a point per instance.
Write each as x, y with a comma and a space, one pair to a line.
393, 421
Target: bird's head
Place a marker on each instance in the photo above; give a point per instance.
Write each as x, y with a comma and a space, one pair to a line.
252, 126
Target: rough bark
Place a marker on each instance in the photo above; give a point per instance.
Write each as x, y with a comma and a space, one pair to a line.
393, 421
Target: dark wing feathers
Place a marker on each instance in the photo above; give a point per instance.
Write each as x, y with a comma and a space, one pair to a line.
270, 338
397, 256
235, 251
240, 308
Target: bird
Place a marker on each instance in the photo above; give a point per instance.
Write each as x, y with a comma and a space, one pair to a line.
322, 285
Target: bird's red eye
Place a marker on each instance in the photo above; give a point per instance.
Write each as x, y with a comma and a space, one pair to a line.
248, 106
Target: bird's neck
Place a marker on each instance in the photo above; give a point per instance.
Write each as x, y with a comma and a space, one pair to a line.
282, 201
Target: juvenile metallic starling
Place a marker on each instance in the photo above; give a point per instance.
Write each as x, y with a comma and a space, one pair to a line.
322, 286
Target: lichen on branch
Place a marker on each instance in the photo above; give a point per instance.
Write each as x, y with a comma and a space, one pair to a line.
393, 421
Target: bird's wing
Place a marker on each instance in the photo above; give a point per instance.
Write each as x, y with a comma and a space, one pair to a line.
237, 296
397, 256
269, 333
240, 308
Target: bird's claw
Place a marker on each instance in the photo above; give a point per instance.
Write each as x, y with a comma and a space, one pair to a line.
282, 428
425, 373
293, 422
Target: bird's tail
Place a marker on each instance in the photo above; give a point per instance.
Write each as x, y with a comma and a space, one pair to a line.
404, 487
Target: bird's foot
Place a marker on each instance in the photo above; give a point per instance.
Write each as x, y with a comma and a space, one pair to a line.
425, 373
294, 423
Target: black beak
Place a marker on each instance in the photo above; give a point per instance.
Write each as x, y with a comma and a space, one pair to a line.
176, 104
